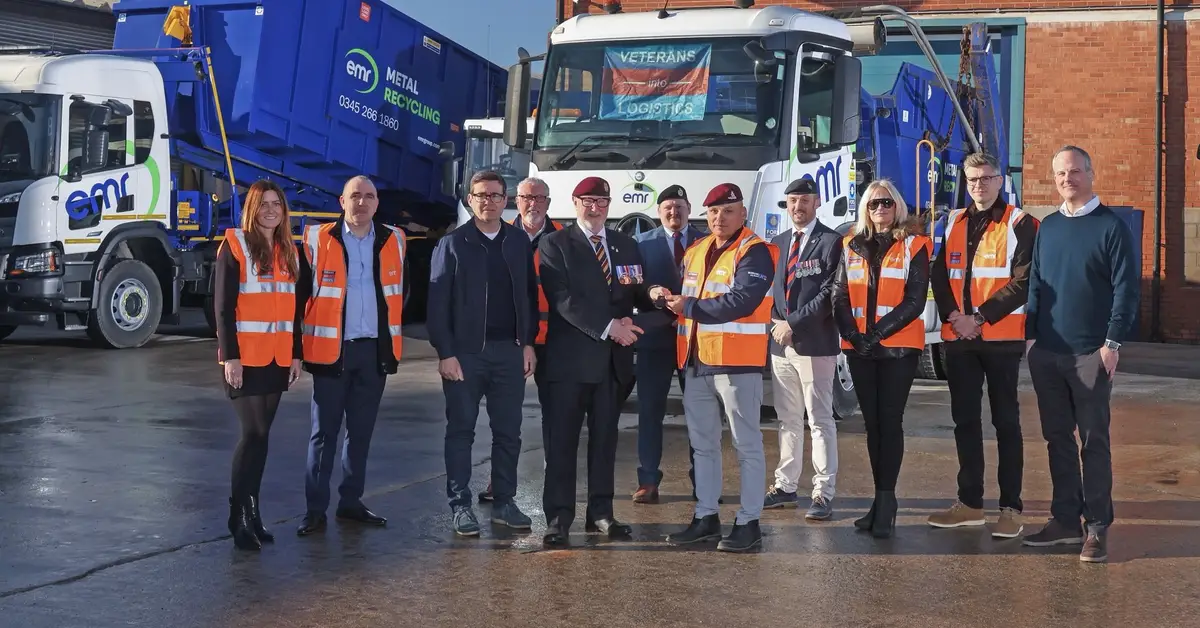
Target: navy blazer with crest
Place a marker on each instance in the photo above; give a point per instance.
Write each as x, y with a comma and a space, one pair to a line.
808, 308
659, 259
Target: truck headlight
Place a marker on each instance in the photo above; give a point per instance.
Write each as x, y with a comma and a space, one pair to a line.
41, 262
10, 198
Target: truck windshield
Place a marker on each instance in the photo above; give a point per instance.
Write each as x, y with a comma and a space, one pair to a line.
28, 136
706, 91
486, 150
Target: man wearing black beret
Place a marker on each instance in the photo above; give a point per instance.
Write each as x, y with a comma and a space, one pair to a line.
662, 251
804, 351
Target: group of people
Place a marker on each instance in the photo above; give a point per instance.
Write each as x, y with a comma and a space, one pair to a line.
569, 305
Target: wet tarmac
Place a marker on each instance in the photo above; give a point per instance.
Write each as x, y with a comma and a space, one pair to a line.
114, 475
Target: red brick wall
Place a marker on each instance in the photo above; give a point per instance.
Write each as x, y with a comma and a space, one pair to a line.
1092, 84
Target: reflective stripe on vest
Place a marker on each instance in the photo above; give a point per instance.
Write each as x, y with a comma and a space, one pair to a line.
737, 343
543, 305
324, 311
991, 270
266, 307
889, 290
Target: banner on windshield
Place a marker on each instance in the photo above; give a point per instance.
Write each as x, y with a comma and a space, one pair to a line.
663, 82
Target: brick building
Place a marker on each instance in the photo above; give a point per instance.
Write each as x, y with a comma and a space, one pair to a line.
1080, 72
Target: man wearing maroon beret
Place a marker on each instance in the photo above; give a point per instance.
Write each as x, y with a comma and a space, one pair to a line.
725, 312
592, 278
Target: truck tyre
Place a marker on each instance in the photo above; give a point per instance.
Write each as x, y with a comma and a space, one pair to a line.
128, 308
210, 315
933, 363
845, 400
6, 331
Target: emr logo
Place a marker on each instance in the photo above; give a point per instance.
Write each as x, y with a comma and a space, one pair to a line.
367, 72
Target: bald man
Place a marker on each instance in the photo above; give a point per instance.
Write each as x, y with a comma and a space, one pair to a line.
351, 291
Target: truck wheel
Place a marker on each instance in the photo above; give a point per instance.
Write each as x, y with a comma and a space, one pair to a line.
845, 400
6, 331
129, 306
210, 315
933, 363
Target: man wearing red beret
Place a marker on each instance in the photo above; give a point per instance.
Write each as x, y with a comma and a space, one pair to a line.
725, 313
593, 278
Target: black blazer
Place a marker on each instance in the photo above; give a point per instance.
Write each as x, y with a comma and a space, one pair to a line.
582, 305
661, 270
814, 332
458, 289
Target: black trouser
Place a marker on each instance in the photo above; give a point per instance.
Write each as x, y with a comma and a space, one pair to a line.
1073, 392
498, 374
570, 402
882, 386
543, 387
966, 369
256, 413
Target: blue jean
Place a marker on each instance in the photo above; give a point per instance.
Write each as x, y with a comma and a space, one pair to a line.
497, 373
654, 369
355, 395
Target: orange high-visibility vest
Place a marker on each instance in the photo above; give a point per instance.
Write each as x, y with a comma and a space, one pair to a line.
543, 304
266, 306
889, 290
737, 343
991, 270
323, 315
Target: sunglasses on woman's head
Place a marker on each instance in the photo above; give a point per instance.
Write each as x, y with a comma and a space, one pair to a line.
880, 202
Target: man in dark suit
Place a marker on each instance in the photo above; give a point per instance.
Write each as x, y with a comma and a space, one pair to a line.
804, 351
593, 277
662, 250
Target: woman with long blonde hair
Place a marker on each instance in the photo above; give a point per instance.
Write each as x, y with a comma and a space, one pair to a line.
258, 341
878, 299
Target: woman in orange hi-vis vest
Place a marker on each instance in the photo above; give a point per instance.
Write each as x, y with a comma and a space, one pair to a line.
878, 298
258, 341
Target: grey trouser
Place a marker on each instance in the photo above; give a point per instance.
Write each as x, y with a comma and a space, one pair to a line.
741, 395
1073, 393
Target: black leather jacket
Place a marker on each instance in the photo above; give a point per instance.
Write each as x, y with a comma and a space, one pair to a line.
916, 290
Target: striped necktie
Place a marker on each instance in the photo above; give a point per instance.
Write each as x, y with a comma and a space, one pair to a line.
792, 263
602, 257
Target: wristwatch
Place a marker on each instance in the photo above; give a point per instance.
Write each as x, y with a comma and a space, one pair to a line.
979, 320
1112, 346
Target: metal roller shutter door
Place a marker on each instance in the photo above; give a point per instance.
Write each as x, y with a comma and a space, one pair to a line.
27, 28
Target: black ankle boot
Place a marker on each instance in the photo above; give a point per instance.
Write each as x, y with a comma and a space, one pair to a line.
241, 527
885, 517
864, 522
264, 535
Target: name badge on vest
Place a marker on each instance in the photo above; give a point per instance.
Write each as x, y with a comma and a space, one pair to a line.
629, 274
955, 258
328, 276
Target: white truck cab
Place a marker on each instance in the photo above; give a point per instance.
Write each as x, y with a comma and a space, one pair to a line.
485, 150
84, 164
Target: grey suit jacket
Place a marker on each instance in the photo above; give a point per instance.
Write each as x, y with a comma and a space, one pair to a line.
808, 305
661, 270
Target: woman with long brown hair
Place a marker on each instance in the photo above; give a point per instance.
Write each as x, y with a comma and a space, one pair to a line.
878, 299
258, 341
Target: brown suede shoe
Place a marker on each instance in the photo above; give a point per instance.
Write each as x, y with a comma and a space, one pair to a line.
646, 494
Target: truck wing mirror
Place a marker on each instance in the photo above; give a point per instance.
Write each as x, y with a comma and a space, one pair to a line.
516, 105
847, 86
450, 177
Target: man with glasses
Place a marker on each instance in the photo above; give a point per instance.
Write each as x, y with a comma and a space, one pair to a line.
482, 321
533, 200
980, 280
593, 278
